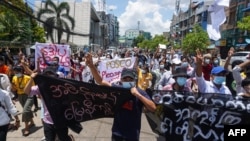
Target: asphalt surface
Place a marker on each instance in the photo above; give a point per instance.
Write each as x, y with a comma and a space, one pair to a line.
94, 130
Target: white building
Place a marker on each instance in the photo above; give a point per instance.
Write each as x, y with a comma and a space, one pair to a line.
86, 22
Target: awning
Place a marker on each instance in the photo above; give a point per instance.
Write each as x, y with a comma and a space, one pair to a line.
246, 9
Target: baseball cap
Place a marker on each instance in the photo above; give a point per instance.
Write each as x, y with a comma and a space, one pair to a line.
180, 72
128, 73
18, 68
217, 70
50, 70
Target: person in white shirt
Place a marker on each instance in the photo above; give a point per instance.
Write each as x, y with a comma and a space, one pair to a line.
218, 76
7, 108
237, 75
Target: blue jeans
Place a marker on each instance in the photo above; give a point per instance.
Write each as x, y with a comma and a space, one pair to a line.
50, 132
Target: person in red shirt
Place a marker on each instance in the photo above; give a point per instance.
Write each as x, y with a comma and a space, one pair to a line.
207, 66
3, 67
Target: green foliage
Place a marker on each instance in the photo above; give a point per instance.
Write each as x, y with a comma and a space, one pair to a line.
153, 43
15, 26
137, 40
38, 34
244, 24
197, 39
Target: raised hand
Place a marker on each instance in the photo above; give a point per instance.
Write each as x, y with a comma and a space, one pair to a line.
89, 60
199, 58
230, 52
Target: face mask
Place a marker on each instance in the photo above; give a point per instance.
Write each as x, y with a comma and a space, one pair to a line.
54, 62
207, 61
143, 71
219, 80
184, 64
216, 61
162, 66
128, 84
18, 75
76, 61
83, 63
181, 81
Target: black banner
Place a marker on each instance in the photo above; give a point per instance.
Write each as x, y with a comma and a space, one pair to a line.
196, 117
70, 102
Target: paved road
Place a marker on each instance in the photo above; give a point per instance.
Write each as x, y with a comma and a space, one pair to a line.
95, 130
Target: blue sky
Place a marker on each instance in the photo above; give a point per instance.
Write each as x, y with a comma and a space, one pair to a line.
153, 15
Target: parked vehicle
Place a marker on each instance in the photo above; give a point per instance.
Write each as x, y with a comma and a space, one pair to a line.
240, 56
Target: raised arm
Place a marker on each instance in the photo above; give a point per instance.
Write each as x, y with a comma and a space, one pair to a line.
229, 55
94, 71
198, 69
30, 83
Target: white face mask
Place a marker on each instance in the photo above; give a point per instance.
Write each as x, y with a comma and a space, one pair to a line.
184, 64
76, 61
83, 63
143, 71
162, 66
207, 61
18, 75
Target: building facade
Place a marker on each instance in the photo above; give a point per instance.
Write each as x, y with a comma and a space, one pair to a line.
98, 29
183, 22
131, 34
231, 34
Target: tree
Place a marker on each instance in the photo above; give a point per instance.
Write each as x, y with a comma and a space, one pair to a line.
16, 26
56, 16
197, 39
154, 43
137, 40
244, 24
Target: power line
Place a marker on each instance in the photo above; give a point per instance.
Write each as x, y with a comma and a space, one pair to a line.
35, 10
7, 4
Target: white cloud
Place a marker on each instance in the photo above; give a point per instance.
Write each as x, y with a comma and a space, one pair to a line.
154, 15
112, 7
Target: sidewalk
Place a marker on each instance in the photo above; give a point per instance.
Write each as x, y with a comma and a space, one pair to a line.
94, 130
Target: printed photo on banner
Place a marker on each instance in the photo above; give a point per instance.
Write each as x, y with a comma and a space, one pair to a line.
53, 50
110, 70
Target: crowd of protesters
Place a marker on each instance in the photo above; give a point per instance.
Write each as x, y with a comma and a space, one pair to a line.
159, 70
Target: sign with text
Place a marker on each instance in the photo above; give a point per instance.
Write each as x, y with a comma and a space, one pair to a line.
110, 70
70, 101
53, 50
196, 117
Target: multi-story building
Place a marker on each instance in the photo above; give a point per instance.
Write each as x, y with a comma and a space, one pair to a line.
97, 29
183, 22
113, 32
131, 34
231, 34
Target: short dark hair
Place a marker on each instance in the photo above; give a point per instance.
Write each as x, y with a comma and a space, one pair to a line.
57, 58
245, 82
18, 69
